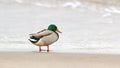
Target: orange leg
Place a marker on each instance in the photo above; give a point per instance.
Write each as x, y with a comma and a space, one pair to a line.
48, 48
40, 49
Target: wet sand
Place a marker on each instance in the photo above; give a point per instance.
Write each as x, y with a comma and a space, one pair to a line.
57, 60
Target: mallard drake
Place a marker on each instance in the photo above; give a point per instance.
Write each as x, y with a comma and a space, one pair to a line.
45, 37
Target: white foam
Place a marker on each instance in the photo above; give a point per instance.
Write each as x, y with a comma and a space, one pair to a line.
71, 4
112, 10
106, 14
43, 5
19, 1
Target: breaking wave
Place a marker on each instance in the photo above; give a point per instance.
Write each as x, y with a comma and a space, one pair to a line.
95, 5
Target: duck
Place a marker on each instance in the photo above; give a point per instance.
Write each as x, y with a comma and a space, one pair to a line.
45, 37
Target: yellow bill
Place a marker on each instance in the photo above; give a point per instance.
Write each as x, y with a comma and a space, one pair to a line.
58, 31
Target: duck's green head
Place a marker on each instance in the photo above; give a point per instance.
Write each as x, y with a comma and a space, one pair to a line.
53, 28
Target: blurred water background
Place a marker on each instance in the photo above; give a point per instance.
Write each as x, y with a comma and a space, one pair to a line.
88, 26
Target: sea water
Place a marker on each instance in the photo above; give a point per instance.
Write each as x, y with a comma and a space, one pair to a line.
86, 27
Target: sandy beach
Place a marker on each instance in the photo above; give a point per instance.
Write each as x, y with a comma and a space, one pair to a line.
57, 60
